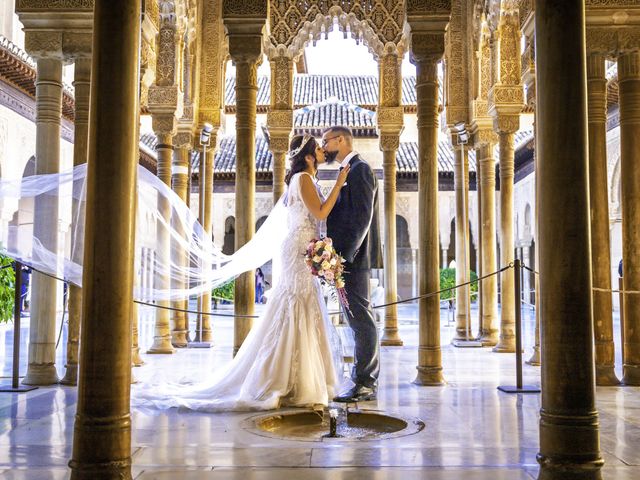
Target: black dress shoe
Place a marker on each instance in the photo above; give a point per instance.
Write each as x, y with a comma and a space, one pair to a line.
357, 393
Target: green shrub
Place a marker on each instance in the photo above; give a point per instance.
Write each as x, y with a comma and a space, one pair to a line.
448, 280
7, 289
224, 292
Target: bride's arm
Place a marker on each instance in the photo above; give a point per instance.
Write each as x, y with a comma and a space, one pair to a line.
311, 198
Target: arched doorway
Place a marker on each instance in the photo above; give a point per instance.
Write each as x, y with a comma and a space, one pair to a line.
229, 244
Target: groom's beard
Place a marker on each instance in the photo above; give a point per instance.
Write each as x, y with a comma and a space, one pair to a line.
330, 157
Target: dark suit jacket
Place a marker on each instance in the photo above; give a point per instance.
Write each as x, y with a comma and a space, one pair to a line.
353, 224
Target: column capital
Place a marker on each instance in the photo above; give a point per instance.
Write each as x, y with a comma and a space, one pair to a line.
484, 136
184, 138
505, 123
426, 47
629, 66
279, 143
389, 142
244, 23
164, 124
390, 119
213, 116
44, 44
612, 41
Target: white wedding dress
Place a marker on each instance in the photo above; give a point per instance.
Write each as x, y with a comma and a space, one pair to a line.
289, 357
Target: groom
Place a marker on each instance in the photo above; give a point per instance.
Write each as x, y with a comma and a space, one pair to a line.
353, 227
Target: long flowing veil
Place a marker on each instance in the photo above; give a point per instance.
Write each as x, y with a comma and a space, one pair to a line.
191, 261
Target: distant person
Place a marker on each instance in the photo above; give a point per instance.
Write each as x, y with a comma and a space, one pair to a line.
24, 288
620, 268
259, 285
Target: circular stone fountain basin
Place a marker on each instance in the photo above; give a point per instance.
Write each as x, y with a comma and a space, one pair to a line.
307, 425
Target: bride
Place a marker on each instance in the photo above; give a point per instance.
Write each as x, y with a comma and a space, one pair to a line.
288, 357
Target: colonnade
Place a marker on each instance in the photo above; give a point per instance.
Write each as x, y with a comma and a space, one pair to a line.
569, 422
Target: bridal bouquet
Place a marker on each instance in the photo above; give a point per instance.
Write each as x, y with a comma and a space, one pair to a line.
325, 263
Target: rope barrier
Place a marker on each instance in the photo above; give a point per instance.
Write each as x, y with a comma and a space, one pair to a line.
216, 314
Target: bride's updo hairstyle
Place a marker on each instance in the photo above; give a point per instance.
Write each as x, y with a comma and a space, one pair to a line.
299, 148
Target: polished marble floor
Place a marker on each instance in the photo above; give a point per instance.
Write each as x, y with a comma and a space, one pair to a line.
472, 430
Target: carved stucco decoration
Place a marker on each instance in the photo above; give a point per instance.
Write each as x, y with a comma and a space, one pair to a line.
506, 97
213, 52
377, 23
282, 83
428, 6
241, 8
34, 5
457, 74
612, 41
279, 143
280, 119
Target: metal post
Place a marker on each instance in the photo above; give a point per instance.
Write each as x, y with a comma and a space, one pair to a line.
621, 294
519, 388
17, 310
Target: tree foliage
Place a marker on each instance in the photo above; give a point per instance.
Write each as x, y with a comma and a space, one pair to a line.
7, 289
448, 280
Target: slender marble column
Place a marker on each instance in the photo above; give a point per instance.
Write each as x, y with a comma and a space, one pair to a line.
179, 184
629, 81
445, 252
390, 336
569, 431
507, 293
279, 171
246, 91
102, 432
429, 350
461, 187
203, 323
599, 204
489, 300
81, 84
162, 329
41, 369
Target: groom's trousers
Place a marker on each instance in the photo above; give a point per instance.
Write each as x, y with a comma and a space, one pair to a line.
367, 354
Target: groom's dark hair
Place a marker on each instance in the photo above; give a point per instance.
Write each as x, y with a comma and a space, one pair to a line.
340, 130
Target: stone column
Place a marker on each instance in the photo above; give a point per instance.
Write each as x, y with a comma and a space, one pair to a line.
81, 84
180, 184
569, 437
461, 186
445, 251
506, 99
390, 123
203, 323
489, 299
102, 432
41, 369
165, 105
245, 48
599, 204
389, 145
426, 51
507, 293
280, 118
629, 81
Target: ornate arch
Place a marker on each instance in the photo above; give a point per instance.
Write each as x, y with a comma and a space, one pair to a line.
377, 23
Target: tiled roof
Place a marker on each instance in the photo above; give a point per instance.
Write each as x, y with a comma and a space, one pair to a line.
316, 120
407, 157
311, 89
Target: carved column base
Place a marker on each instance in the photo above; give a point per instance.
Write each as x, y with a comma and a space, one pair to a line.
606, 376
630, 375
429, 377
136, 359
71, 375
505, 345
569, 438
489, 338
161, 345
41, 374
179, 338
535, 360
391, 338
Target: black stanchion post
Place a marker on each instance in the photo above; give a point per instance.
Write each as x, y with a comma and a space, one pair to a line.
519, 388
17, 310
